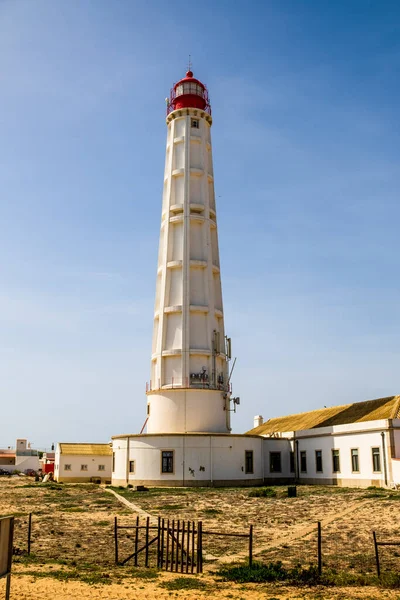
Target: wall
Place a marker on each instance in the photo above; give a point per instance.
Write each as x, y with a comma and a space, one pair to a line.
76, 474
199, 460
363, 436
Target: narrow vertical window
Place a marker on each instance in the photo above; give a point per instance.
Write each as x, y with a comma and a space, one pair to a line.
249, 466
195, 124
318, 461
291, 462
303, 461
131, 466
335, 461
355, 465
167, 461
376, 460
113, 462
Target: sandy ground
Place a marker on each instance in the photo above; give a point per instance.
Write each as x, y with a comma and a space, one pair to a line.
73, 529
29, 588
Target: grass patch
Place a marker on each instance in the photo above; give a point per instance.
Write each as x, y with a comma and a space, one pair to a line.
73, 509
102, 523
184, 583
212, 511
299, 575
145, 573
170, 507
266, 492
89, 577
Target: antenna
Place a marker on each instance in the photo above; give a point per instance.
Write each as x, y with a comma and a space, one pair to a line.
190, 63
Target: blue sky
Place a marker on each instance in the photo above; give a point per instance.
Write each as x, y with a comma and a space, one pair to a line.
306, 142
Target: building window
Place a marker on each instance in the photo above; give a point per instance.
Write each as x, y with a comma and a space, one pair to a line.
102, 467
275, 462
131, 466
113, 462
167, 461
67, 467
148, 409
195, 124
249, 466
291, 462
83, 467
303, 461
376, 460
335, 461
318, 461
355, 465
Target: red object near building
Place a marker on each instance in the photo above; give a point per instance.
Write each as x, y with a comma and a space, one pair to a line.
48, 468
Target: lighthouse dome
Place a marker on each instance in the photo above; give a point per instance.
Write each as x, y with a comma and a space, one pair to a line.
189, 92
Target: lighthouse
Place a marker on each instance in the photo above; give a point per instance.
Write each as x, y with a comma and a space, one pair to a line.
189, 390
188, 439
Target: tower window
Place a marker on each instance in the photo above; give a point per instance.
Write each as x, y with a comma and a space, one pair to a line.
131, 466
148, 409
249, 462
167, 461
195, 124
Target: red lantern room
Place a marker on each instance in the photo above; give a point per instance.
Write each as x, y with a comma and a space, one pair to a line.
189, 93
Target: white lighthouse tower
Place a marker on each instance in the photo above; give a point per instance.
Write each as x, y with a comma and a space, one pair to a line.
189, 388
188, 440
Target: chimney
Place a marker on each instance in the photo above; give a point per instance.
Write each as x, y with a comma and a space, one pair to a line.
258, 420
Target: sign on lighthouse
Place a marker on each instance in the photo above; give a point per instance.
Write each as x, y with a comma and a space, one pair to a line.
189, 389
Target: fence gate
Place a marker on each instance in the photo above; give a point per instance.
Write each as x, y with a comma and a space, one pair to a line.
170, 545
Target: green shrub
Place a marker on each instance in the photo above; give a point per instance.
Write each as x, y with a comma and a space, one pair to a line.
263, 493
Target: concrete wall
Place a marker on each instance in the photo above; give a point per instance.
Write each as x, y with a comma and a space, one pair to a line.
200, 460
76, 474
396, 470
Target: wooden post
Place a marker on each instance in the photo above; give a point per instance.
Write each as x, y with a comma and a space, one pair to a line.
146, 563
136, 541
251, 546
29, 532
159, 543
378, 566
162, 544
177, 547
8, 586
319, 549
167, 550
183, 546
116, 539
172, 544
187, 547
193, 534
9, 563
199, 547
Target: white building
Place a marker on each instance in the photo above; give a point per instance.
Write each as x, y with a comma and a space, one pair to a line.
351, 445
81, 463
22, 458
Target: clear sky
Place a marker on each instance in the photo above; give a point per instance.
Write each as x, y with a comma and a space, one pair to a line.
306, 144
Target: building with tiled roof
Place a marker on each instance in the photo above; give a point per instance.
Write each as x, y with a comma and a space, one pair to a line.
81, 463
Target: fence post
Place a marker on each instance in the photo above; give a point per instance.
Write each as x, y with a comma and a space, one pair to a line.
116, 538
136, 541
200, 547
251, 546
29, 532
146, 564
158, 542
319, 549
378, 567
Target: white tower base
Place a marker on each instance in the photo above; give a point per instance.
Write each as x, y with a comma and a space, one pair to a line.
187, 411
